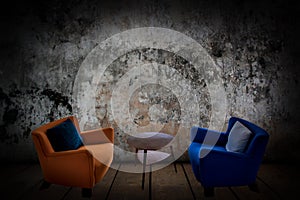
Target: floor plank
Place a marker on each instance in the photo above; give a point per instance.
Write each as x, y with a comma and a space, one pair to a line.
196, 186
243, 192
221, 193
129, 186
100, 190
275, 181
17, 185
167, 184
282, 179
103, 189
53, 192
31, 182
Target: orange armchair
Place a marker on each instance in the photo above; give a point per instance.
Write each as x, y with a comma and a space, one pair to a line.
83, 167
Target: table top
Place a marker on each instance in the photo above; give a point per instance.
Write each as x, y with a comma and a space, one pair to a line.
149, 140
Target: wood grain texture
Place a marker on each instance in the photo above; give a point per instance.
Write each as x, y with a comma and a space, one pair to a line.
275, 181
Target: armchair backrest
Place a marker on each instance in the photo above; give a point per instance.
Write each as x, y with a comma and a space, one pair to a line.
258, 140
41, 141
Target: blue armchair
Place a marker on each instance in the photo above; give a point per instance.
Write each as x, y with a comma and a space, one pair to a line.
214, 166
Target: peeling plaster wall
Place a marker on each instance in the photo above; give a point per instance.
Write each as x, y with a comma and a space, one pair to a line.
254, 43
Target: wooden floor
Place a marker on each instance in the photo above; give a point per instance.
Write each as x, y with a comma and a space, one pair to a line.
275, 181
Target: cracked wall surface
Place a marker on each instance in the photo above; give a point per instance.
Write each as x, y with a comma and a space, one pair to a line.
254, 44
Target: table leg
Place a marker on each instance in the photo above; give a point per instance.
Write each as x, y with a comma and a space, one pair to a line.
150, 182
144, 168
136, 158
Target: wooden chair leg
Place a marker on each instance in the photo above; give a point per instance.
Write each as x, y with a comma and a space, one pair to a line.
86, 192
253, 187
209, 191
45, 185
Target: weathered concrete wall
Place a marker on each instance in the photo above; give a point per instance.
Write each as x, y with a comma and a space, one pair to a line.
255, 45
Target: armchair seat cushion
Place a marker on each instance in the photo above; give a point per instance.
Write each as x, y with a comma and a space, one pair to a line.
102, 152
103, 155
64, 136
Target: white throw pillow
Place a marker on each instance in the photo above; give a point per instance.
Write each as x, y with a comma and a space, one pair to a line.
238, 138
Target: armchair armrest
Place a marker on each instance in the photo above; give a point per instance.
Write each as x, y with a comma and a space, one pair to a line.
198, 134
222, 154
76, 152
63, 166
98, 136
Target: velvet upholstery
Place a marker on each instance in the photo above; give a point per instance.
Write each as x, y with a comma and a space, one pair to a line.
78, 168
64, 136
220, 168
